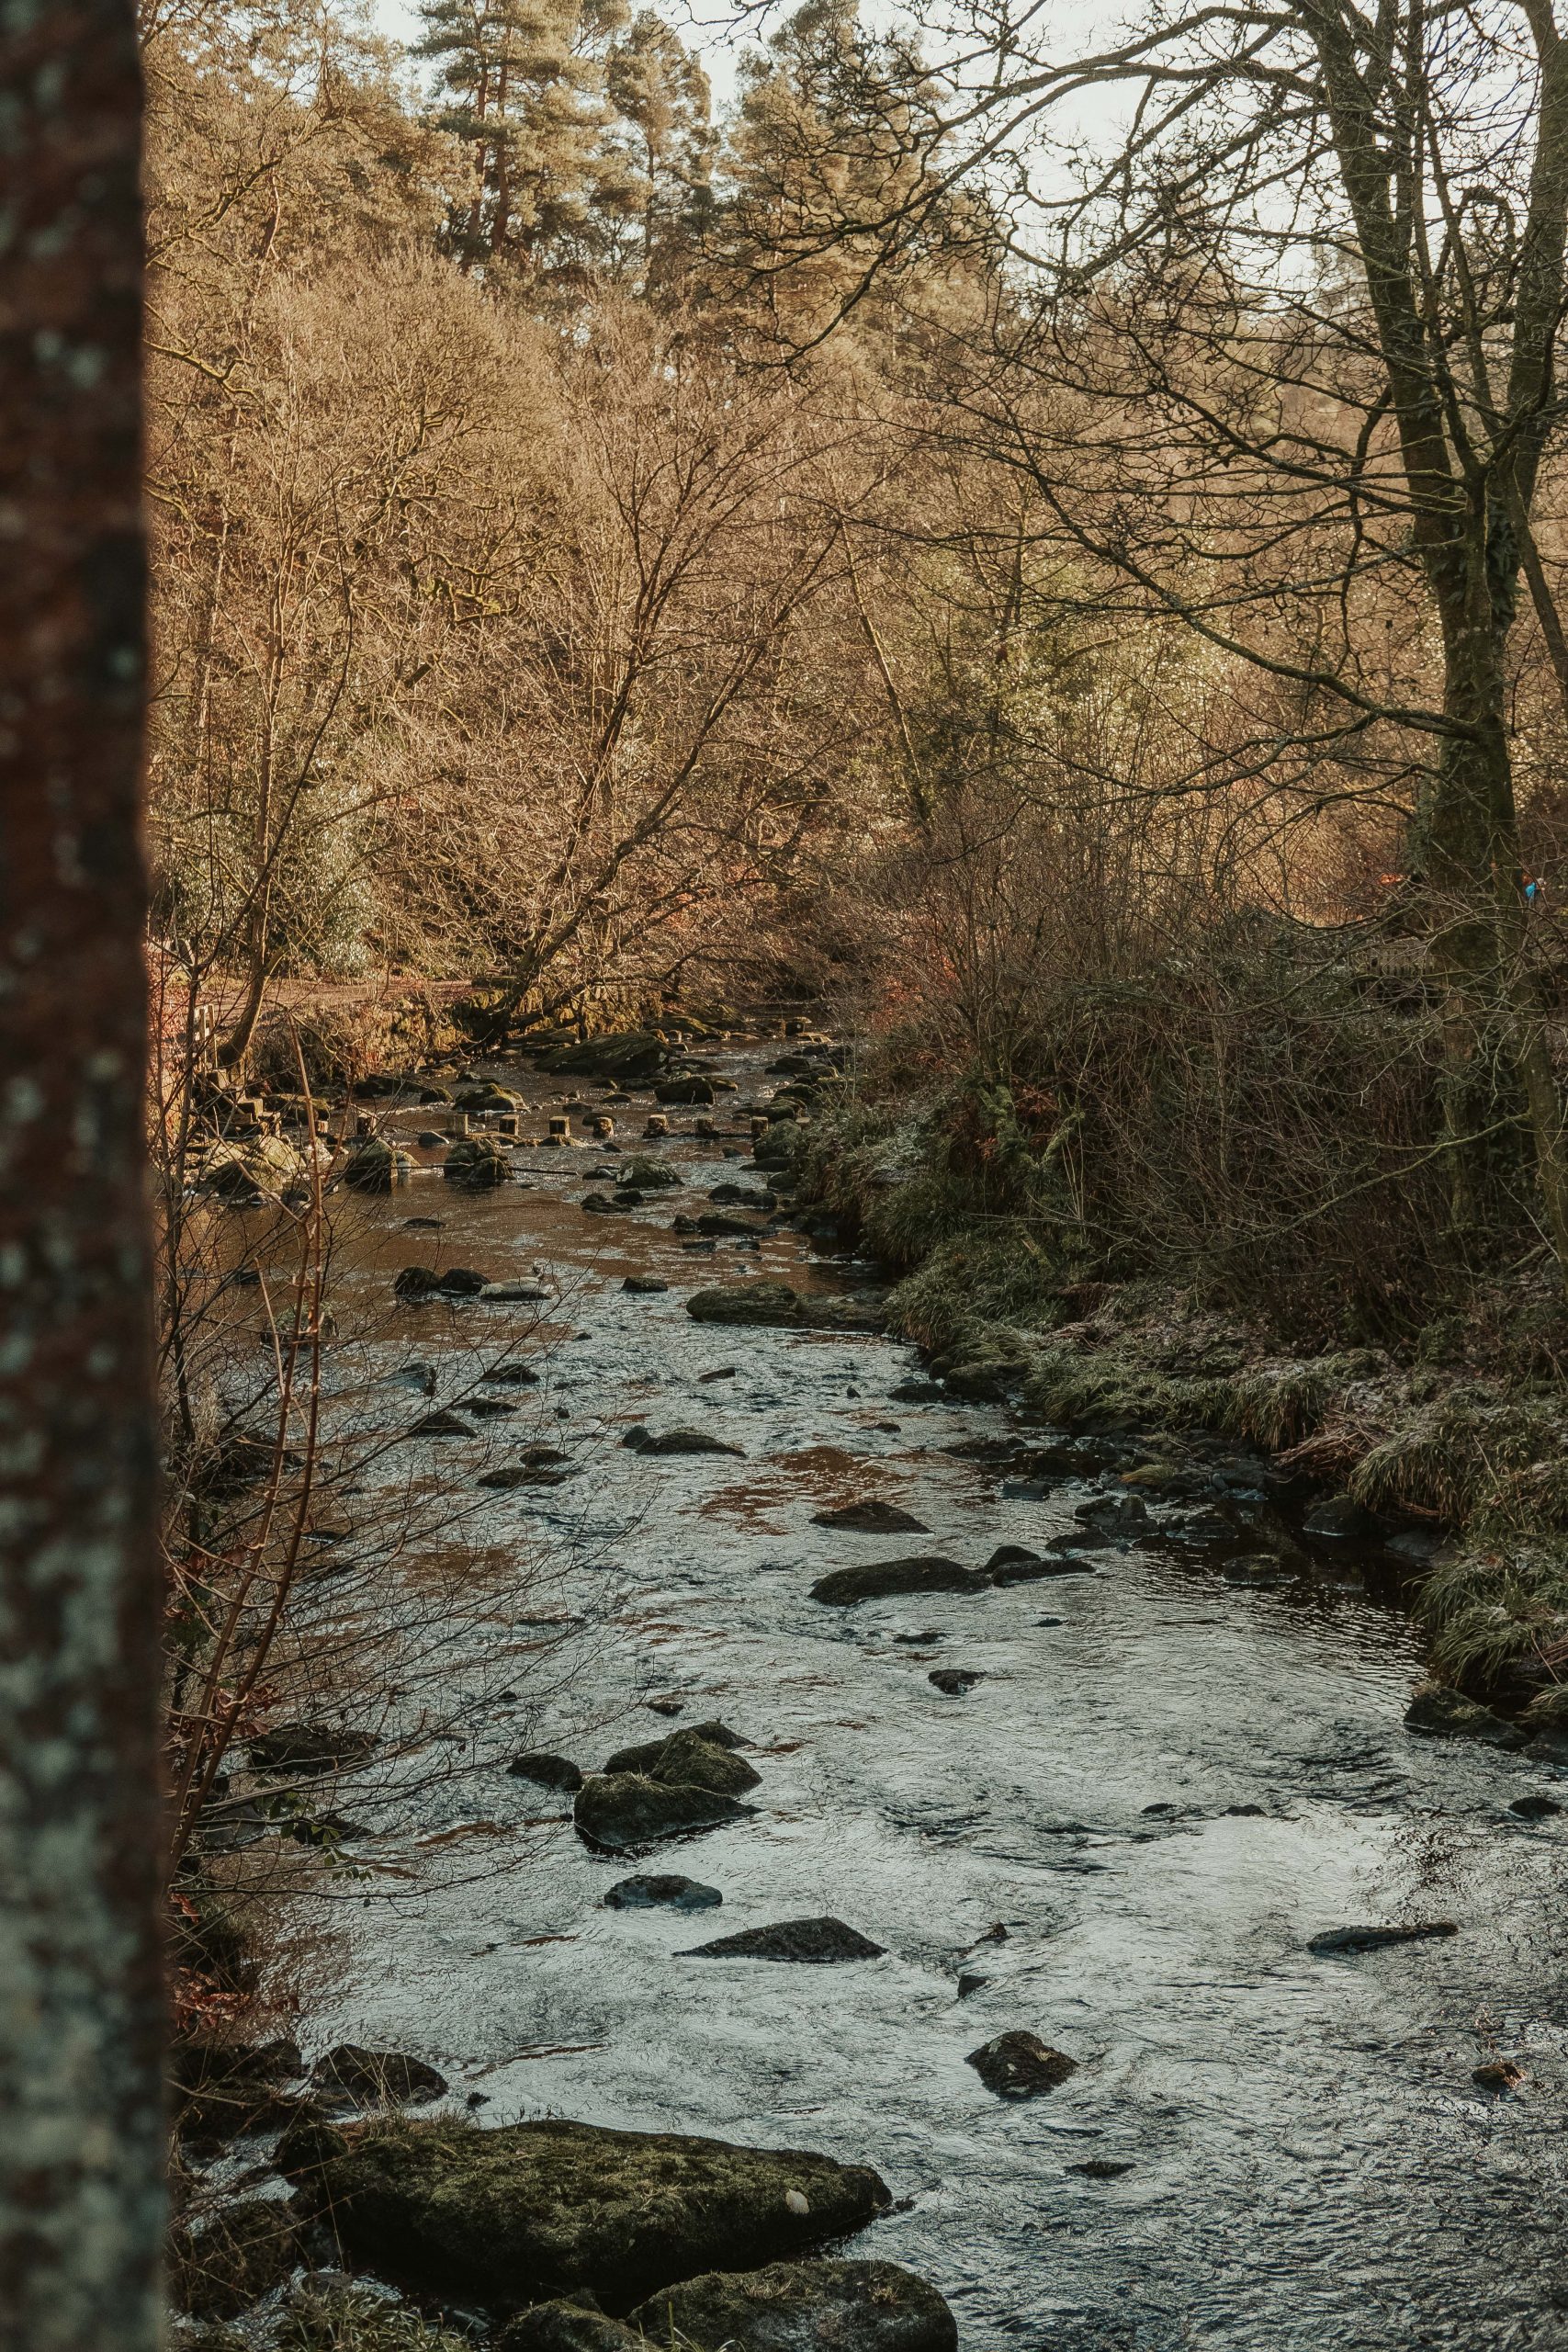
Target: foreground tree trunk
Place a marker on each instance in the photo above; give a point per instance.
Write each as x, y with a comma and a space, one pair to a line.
81, 1993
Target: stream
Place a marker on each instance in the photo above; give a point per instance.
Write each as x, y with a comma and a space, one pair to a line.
1127, 1831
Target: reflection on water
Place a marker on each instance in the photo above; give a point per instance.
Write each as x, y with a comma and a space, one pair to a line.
1121, 1837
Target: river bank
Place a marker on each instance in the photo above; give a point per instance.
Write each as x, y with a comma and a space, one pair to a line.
1113, 1793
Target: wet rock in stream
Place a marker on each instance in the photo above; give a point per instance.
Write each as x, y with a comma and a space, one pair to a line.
813, 1943
771, 1305
1019, 2065
800, 2307
640, 1440
533, 2210
644, 1286
1340, 1942
692, 1758
661, 1892
873, 1517
375, 2077
886, 1579
954, 1680
1447, 1714
548, 1771
618, 1812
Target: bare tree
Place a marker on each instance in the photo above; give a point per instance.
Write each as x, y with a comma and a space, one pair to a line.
81, 2027
1301, 270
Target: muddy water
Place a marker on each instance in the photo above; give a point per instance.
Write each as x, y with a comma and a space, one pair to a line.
1310, 2163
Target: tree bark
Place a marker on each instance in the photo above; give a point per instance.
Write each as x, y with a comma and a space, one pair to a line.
80, 1984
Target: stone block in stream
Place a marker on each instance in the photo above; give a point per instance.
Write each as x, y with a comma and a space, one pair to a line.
1345, 1942
954, 1680
799, 2307
1447, 1714
533, 2210
643, 1285
617, 1813
661, 1890
816, 1943
1019, 2065
886, 1579
873, 1518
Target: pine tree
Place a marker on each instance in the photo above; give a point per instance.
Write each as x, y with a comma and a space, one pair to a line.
522, 85
663, 133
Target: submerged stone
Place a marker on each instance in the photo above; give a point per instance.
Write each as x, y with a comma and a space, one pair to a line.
533, 2210
801, 2307
815, 1942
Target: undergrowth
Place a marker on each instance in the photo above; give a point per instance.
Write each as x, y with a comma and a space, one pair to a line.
1463, 1427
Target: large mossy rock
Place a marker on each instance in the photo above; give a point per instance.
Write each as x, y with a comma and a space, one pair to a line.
802, 2307
377, 1166
619, 1812
533, 2210
478, 1162
258, 1168
703, 1754
1443, 1714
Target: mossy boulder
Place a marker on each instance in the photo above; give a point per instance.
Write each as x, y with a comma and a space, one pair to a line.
477, 1162
483, 1096
1447, 1714
645, 1754
258, 1168
377, 1166
535, 2210
688, 1760
801, 2307
620, 1812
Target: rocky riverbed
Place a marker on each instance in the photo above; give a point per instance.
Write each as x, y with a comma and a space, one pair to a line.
1045, 1794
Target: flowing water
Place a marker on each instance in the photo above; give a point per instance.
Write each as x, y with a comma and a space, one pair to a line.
1163, 1786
